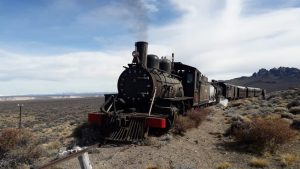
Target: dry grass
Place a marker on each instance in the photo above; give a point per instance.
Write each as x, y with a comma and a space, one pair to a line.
235, 103
224, 165
183, 123
240, 102
265, 134
10, 138
192, 119
198, 115
259, 162
19, 148
151, 141
152, 167
273, 117
23, 166
288, 159
52, 145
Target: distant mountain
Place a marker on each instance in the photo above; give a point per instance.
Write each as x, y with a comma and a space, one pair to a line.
273, 80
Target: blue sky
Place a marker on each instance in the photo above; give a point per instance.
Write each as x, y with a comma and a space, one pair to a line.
67, 25
57, 46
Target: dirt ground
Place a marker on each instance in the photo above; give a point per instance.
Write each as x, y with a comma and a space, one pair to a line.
201, 148
204, 147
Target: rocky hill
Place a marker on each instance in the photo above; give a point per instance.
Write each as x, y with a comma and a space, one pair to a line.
273, 80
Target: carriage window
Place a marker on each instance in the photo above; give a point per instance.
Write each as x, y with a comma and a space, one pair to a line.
189, 78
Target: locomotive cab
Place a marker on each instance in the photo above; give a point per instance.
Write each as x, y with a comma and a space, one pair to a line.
195, 85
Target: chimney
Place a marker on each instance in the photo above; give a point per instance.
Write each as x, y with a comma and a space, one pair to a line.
141, 48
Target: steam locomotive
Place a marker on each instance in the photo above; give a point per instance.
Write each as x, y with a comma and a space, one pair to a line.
152, 91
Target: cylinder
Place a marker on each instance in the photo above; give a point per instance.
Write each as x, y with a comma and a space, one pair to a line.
141, 48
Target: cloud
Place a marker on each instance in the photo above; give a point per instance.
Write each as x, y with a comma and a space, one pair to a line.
223, 39
228, 42
131, 15
76, 72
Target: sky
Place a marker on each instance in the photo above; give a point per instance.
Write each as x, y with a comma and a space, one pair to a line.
63, 46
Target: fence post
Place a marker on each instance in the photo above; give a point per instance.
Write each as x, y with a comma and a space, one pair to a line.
20, 115
84, 161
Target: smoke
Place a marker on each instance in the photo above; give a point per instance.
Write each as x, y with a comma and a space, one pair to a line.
224, 102
139, 10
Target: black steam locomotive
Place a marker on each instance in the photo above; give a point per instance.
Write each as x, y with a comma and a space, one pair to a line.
152, 91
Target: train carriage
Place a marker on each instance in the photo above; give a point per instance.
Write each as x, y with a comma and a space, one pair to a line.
257, 92
242, 92
250, 92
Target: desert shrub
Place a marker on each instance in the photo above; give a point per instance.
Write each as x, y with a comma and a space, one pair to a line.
150, 141
266, 110
295, 110
237, 126
224, 165
182, 123
10, 138
287, 115
296, 124
87, 134
26, 155
198, 115
293, 104
272, 116
259, 162
18, 147
264, 134
192, 119
280, 109
52, 145
77, 132
288, 159
239, 103
153, 167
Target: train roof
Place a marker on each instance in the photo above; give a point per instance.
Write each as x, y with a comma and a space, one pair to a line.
241, 87
179, 65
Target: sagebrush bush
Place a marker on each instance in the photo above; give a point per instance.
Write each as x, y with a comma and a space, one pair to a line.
288, 159
265, 134
224, 165
293, 104
192, 119
18, 147
236, 103
295, 110
10, 138
259, 162
183, 123
198, 115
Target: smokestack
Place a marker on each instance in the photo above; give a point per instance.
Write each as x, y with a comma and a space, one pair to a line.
141, 48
